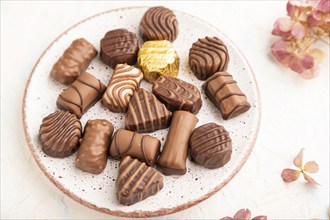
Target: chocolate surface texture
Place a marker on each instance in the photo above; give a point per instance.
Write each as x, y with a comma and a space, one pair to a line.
224, 92
81, 95
145, 113
93, 152
124, 81
172, 160
207, 56
136, 181
128, 143
210, 146
59, 134
74, 61
177, 94
119, 46
159, 23
158, 58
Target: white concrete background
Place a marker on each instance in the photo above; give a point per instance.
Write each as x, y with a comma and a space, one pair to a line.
295, 114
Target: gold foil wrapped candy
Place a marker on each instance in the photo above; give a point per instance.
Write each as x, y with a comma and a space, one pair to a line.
158, 58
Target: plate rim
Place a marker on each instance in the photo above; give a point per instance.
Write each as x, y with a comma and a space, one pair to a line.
138, 213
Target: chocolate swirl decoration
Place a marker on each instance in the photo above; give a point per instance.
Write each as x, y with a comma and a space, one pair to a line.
210, 146
143, 147
159, 23
74, 61
207, 56
119, 46
59, 134
136, 181
177, 94
145, 113
224, 92
125, 80
81, 95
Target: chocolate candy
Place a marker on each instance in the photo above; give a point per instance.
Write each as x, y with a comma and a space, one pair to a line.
119, 46
145, 113
143, 147
177, 94
207, 56
93, 152
74, 61
224, 92
159, 23
59, 134
124, 81
158, 58
81, 95
136, 181
210, 146
172, 160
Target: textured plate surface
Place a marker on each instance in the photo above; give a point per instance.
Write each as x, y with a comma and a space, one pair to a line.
98, 191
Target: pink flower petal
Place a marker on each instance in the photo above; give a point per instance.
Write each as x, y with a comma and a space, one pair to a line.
298, 31
296, 65
290, 175
307, 61
242, 214
311, 167
324, 6
317, 54
280, 52
298, 160
290, 8
309, 179
282, 27
226, 218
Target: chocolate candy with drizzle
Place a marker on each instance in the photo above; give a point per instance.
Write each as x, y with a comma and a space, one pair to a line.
93, 152
177, 94
224, 92
59, 134
136, 181
210, 146
81, 95
119, 46
145, 113
207, 56
172, 160
159, 23
74, 61
124, 81
143, 147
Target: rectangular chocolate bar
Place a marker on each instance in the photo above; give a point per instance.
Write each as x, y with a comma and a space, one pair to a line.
81, 95
143, 147
74, 61
224, 92
93, 152
172, 160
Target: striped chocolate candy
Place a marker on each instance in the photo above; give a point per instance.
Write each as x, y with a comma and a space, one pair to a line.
210, 146
125, 80
136, 181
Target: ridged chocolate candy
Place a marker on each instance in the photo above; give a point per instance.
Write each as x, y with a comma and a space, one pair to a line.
136, 181
158, 58
210, 146
128, 143
124, 81
145, 113
177, 94
59, 134
119, 46
81, 95
93, 152
159, 23
207, 56
224, 92
74, 61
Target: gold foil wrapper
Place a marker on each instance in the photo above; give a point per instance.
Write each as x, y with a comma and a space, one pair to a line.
158, 58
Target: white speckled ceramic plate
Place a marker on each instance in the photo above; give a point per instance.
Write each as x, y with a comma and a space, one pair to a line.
98, 191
